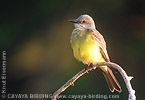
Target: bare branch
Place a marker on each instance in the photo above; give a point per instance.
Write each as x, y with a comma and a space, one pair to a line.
84, 71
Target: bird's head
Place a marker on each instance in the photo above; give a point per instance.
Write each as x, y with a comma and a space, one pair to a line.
84, 21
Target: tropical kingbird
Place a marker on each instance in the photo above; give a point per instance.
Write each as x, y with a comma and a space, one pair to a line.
89, 47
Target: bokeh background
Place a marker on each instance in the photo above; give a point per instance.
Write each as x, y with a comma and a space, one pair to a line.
36, 36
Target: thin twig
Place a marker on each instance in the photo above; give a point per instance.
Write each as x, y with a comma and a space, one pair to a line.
84, 71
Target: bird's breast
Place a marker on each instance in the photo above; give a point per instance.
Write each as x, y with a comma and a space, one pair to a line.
85, 48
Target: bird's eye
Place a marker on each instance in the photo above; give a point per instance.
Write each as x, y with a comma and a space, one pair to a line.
83, 21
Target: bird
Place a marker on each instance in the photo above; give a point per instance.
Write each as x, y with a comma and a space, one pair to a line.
89, 47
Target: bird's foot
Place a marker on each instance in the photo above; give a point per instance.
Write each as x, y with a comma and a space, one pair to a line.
90, 67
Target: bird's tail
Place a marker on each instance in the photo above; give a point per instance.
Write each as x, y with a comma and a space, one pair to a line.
111, 81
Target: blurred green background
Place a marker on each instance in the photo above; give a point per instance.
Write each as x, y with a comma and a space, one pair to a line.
36, 36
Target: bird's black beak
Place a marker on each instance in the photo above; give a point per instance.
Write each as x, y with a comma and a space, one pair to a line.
73, 20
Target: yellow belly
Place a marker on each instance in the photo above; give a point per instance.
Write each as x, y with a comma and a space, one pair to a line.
85, 48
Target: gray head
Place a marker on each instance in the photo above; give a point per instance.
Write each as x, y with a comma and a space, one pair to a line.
84, 21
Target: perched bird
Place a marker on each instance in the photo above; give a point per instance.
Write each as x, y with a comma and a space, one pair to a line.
89, 47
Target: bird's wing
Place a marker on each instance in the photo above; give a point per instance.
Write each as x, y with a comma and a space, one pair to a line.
101, 42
